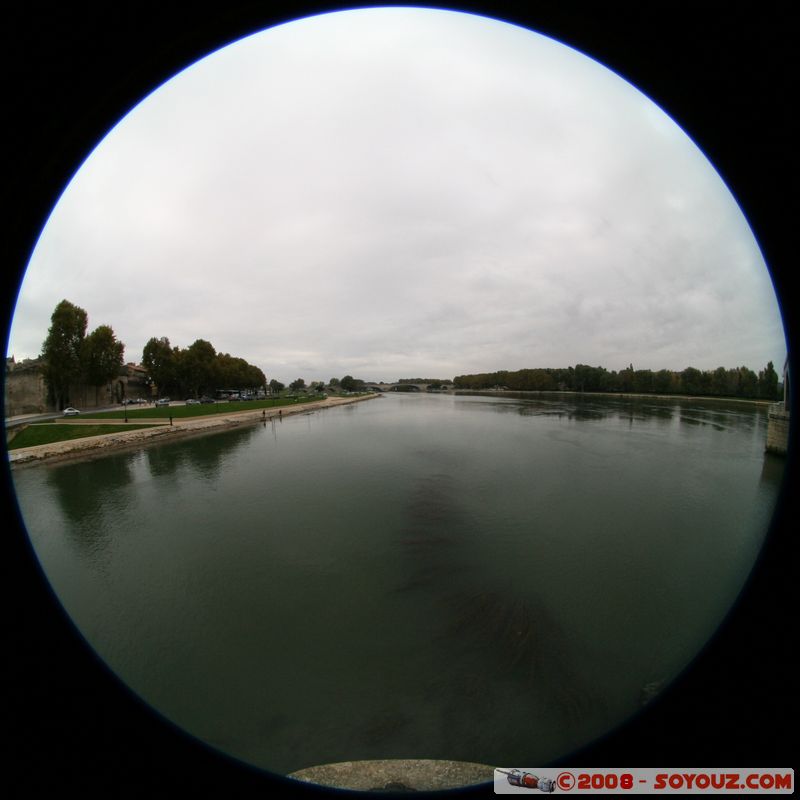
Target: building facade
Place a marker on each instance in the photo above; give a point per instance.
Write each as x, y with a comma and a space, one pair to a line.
25, 391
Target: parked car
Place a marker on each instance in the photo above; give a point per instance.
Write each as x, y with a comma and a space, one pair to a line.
207, 400
71, 412
192, 402
163, 401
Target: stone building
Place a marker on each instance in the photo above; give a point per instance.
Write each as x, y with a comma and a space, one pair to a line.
25, 391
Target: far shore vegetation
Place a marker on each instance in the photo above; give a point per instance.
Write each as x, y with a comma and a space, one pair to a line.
738, 382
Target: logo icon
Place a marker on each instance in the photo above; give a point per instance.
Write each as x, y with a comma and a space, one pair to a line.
527, 780
565, 781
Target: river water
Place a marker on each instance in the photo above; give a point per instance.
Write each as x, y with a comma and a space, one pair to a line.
486, 579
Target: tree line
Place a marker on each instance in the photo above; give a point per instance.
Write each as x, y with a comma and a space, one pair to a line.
347, 384
197, 369
720, 382
71, 357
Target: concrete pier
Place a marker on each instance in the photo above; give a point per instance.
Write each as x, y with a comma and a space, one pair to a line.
399, 775
778, 429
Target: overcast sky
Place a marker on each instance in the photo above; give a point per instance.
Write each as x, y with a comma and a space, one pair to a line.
405, 193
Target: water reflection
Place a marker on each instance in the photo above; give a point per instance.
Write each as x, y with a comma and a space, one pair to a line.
85, 494
514, 652
431, 533
488, 579
204, 457
772, 471
646, 410
521, 641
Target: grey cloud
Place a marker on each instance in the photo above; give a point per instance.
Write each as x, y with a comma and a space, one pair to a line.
396, 191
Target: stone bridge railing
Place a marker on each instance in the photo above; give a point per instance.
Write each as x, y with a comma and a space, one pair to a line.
778, 429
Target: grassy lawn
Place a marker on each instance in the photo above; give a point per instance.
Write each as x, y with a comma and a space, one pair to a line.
202, 410
49, 432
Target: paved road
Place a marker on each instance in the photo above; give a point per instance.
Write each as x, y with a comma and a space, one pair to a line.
25, 419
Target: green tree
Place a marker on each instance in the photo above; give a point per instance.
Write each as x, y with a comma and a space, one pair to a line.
591, 379
297, 385
276, 387
256, 378
719, 381
230, 371
61, 351
642, 381
159, 359
102, 357
748, 382
768, 383
662, 381
690, 381
235, 373
199, 368
625, 379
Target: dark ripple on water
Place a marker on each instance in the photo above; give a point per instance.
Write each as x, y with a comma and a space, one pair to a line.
498, 639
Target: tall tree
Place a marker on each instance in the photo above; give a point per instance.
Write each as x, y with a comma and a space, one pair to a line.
768, 383
102, 357
256, 379
200, 367
690, 381
748, 383
662, 381
625, 379
719, 381
158, 358
61, 351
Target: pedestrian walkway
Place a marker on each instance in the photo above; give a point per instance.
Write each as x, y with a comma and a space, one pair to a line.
164, 426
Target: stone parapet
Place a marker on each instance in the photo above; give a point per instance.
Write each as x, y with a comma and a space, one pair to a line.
399, 775
778, 429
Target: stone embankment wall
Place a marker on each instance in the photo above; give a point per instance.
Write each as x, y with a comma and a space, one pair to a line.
778, 429
25, 391
158, 429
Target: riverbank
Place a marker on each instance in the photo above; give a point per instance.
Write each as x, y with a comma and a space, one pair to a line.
618, 395
92, 446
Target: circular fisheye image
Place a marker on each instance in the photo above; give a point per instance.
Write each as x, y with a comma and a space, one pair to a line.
397, 385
